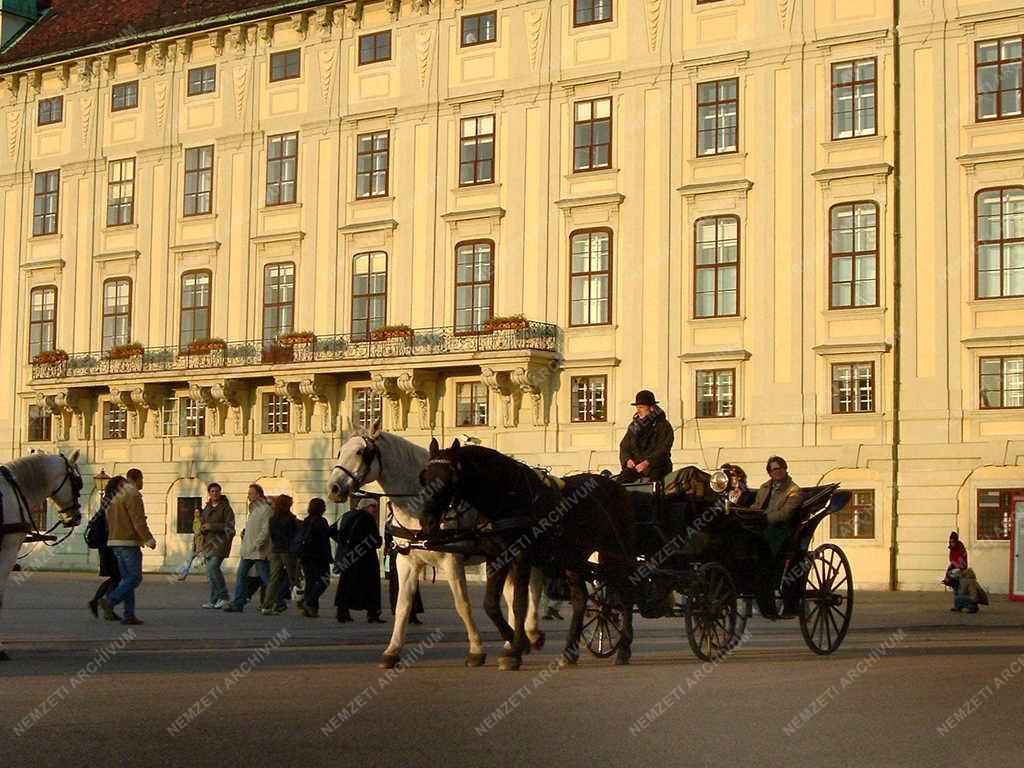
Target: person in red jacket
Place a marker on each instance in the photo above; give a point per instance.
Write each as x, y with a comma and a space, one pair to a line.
957, 561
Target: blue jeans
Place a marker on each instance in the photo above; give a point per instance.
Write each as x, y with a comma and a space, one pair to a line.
244, 566
129, 562
218, 587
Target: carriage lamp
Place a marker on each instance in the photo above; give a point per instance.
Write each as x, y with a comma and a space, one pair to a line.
100, 481
719, 481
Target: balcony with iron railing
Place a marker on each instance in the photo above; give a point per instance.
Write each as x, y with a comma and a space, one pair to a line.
432, 347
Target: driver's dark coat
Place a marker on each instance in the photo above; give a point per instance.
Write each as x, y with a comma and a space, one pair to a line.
653, 443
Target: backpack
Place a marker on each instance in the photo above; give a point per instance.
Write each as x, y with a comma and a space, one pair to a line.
97, 532
299, 540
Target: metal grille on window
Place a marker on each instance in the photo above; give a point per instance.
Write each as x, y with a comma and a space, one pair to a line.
589, 398
857, 519
366, 407
853, 388
115, 422
276, 414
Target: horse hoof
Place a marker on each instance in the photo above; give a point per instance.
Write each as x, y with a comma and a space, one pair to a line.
4, 656
509, 663
388, 661
621, 661
476, 659
538, 643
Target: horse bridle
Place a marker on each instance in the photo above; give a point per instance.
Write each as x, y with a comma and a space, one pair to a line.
24, 508
374, 454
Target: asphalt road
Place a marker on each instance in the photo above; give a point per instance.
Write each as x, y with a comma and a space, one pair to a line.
912, 686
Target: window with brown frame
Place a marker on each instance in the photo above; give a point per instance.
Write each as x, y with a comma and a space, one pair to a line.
1001, 382
854, 94
853, 387
590, 299
186, 512
117, 312
278, 300
586, 12
476, 150
470, 404
716, 393
277, 412
479, 28
718, 109
115, 422
121, 192
716, 250
998, 78
589, 398
124, 96
40, 424
42, 323
373, 152
375, 47
202, 80
282, 168
286, 65
51, 111
195, 307
999, 242
592, 134
474, 285
367, 407
853, 255
857, 519
995, 513
46, 203
369, 293
199, 180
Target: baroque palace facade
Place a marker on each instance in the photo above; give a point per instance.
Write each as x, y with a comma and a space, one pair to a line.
235, 231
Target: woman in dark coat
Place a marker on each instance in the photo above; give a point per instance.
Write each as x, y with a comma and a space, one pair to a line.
315, 556
108, 563
358, 541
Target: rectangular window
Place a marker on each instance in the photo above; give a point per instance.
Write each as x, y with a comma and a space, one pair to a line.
857, 519
716, 394
479, 28
718, 109
40, 424
476, 150
591, 12
471, 404
853, 388
474, 285
854, 93
51, 111
195, 307
198, 180
1002, 382
592, 134
997, 75
589, 398
192, 417
372, 160
115, 422
276, 414
117, 312
186, 509
853, 255
169, 418
590, 277
125, 96
278, 300
121, 192
286, 65
42, 324
999, 243
995, 513
202, 80
369, 293
375, 47
46, 203
367, 407
716, 266
282, 168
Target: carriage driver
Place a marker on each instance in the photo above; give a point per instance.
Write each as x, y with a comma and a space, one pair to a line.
646, 450
778, 498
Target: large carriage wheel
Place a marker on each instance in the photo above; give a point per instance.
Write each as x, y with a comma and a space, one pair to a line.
827, 599
714, 622
602, 620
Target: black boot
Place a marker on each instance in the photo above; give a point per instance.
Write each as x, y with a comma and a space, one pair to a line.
344, 616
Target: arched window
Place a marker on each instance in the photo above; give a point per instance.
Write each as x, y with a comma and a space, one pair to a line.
117, 312
369, 292
716, 277
853, 255
590, 265
999, 242
195, 306
474, 285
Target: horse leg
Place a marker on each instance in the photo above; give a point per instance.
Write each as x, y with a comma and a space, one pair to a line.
533, 630
457, 581
625, 651
512, 660
492, 601
578, 596
408, 584
10, 545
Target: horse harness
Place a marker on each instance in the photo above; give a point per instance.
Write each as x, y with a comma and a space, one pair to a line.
26, 522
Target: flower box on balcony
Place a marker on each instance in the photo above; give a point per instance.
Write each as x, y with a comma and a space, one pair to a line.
386, 332
50, 356
205, 346
296, 337
510, 323
125, 351
277, 353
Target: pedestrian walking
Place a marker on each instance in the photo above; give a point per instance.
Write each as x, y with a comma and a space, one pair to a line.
255, 548
284, 565
391, 555
218, 529
358, 538
314, 550
126, 519
108, 562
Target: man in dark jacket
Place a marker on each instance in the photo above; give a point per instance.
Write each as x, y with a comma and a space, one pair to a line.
358, 540
645, 452
315, 557
218, 530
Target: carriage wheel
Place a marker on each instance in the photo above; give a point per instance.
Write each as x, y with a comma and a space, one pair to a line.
827, 599
602, 621
714, 618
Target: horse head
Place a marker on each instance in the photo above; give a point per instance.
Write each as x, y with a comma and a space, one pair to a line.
358, 464
442, 483
65, 480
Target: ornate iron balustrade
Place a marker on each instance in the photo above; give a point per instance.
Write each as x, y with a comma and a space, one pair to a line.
541, 337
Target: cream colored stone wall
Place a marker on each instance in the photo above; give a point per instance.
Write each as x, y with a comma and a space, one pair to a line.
781, 183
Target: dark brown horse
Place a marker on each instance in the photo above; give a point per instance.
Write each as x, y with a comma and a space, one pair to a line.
533, 521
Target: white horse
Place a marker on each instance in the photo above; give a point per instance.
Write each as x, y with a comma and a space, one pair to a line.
25, 485
395, 464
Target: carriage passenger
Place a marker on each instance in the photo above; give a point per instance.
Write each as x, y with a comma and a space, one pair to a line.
645, 452
779, 498
739, 493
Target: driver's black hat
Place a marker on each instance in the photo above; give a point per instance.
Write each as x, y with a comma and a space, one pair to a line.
644, 397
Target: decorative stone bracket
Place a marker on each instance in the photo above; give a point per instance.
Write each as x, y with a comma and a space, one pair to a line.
67, 406
222, 398
140, 402
309, 395
404, 393
516, 386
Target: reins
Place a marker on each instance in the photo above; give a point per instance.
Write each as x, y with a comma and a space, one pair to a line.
28, 523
